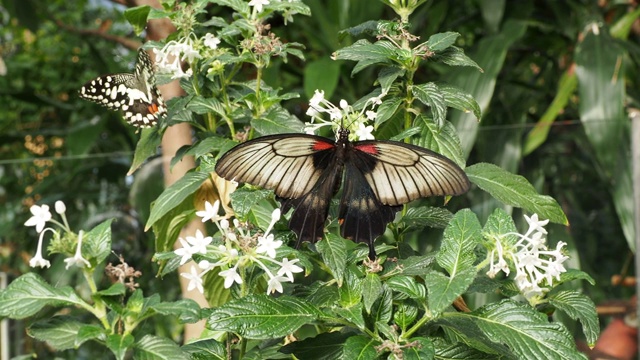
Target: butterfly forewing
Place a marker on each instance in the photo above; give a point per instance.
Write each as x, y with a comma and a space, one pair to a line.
288, 165
399, 173
135, 94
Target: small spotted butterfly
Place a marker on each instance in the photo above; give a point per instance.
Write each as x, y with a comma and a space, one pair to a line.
135, 94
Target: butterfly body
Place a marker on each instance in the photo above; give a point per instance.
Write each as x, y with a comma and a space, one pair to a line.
377, 177
136, 94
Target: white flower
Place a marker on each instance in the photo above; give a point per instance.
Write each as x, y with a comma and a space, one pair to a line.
185, 251
195, 281
275, 284
371, 115
210, 212
37, 259
77, 259
211, 41
230, 276
268, 245
60, 207
40, 216
168, 59
199, 242
258, 4
364, 132
535, 224
317, 98
288, 268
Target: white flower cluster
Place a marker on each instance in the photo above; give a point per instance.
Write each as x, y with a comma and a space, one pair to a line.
40, 215
353, 120
236, 254
535, 264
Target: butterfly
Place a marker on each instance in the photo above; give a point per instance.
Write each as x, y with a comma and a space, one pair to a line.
135, 94
306, 171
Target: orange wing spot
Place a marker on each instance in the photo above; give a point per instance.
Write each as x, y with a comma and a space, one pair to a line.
153, 108
340, 221
321, 145
371, 149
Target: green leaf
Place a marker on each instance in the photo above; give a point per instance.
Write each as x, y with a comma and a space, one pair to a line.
116, 289
420, 349
119, 344
579, 307
443, 290
360, 348
277, 121
442, 41
29, 293
147, 146
237, 5
416, 265
201, 105
205, 349
406, 313
321, 74
186, 310
454, 56
262, 317
459, 99
352, 314
382, 309
158, 348
429, 94
515, 190
351, 290
323, 346
408, 286
443, 140
417, 218
244, 200
388, 76
90, 332
514, 329
137, 17
334, 254
173, 196
386, 110
459, 241
364, 50
461, 351
371, 288
97, 243
499, 223
59, 332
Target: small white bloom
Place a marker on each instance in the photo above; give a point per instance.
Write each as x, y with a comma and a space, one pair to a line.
275, 284
211, 41
37, 259
371, 115
77, 259
268, 245
258, 4
318, 97
60, 207
344, 105
210, 212
535, 224
199, 242
40, 216
364, 132
289, 267
230, 276
185, 251
195, 281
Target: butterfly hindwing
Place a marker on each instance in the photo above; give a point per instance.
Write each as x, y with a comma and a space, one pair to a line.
399, 173
136, 95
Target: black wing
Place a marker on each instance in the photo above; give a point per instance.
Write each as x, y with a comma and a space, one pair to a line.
135, 94
302, 170
399, 172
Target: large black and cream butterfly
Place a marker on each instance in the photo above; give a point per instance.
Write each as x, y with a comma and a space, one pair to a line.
305, 171
135, 94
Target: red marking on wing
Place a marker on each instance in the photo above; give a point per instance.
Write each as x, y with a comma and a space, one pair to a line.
153, 108
321, 145
370, 149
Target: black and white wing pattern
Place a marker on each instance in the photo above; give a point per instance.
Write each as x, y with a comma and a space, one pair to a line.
305, 171
135, 94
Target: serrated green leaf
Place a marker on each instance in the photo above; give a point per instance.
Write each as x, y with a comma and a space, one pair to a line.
147, 146
515, 190
90, 332
416, 265
243, 200
277, 120
579, 307
420, 349
201, 105
405, 314
363, 50
388, 75
406, 134
459, 241
334, 254
418, 218
323, 346
455, 56
237, 5
574, 274
351, 290
408, 286
443, 140
352, 314
382, 309
137, 17
459, 99
186, 310
499, 222
59, 332
371, 288
386, 110
262, 317
442, 41
443, 290
173, 196
205, 349
96, 245
461, 351
113, 290
429, 94
119, 344
152, 347
360, 348
29, 293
